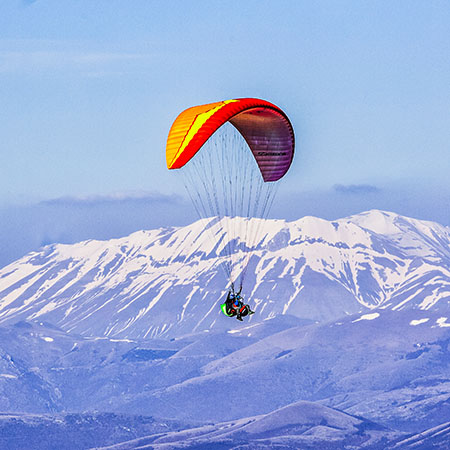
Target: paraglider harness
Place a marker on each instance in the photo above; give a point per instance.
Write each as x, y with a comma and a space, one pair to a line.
234, 305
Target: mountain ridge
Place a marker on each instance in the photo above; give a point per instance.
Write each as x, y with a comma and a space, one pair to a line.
168, 281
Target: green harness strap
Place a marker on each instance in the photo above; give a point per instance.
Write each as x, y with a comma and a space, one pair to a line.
224, 309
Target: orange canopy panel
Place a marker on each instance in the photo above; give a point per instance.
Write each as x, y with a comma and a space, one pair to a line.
265, 127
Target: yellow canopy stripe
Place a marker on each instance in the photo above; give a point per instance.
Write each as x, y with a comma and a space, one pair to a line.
187, 126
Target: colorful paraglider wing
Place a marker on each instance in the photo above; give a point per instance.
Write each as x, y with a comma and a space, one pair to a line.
264, 126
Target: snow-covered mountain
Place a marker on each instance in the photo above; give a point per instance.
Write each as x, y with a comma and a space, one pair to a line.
350, 346
168, 281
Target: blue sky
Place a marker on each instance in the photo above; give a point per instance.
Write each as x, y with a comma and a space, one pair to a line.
89, 90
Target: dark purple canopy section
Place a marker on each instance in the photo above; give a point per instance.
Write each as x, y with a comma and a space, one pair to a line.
270, 136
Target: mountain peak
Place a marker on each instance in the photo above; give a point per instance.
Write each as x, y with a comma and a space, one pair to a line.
169, 280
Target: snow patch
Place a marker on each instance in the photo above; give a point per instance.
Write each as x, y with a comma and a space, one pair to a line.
418, 321
367, 317
242, 329
442, 322
293, 297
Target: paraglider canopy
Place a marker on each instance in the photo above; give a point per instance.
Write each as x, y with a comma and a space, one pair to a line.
231, 155
264, 126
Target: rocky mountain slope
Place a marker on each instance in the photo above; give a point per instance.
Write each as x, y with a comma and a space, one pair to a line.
365, 380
